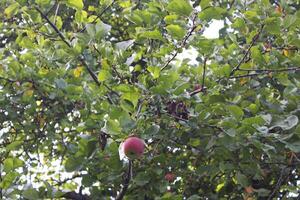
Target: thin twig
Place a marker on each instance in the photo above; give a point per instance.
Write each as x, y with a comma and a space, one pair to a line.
272, 70
279, 183
125, 184
67, 179
204, 70
254, 39
182, 44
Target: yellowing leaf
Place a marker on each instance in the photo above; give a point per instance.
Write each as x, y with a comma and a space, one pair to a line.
104, 63
28, 93
278, 9
286, 52
243, 81
219, 187
78, 71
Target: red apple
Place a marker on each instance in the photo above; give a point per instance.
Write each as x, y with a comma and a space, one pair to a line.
170, 177
134, 147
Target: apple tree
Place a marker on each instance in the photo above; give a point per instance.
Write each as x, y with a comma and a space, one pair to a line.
219, 116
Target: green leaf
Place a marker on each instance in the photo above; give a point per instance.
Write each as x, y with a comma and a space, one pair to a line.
11, 10
273, 25
12, 163
133, 97
112, 126
212, 13
287, 123
295, 146
31, 194
77, 4
152, 130
205, 3
8, 179
103, 75
252, 16
194, 197
14, 145
141, 179
176, 31
155, 71
156, 35
180, 7
242, 179
73, 164
236, 111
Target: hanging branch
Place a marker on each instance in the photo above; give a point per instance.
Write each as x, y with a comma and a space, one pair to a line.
254, 39
125, 184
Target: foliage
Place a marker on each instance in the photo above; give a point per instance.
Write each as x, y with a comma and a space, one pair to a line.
77, 77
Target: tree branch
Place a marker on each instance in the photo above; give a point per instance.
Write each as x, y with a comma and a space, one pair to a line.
125, 184
62, 37
265, 71
75, 196
272, 70
254, 39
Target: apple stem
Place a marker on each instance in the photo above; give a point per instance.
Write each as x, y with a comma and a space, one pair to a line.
126, 180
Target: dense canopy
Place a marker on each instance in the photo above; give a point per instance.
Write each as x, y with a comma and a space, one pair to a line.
78, 77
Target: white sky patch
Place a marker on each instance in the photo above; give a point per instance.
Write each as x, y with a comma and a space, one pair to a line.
212, 31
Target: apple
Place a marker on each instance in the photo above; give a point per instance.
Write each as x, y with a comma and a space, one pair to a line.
134, 147
170, 177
